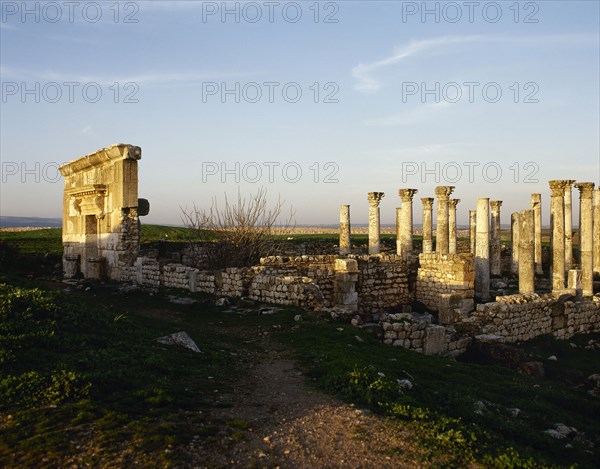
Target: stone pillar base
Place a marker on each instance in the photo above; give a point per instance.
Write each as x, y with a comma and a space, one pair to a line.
95, 268
72, 266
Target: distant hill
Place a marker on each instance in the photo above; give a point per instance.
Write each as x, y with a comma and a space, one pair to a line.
18, 222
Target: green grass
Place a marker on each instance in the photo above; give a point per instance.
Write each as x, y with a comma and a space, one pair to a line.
71, 367
47, 240
440, 406
84, 368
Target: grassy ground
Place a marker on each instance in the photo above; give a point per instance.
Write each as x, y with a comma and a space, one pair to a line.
82, 380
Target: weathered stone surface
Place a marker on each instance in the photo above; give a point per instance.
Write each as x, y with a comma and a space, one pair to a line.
472, 229
482, 250
374, 223
536, 205
452, 203
596, 229
100, 212
514, 230
345, 243
526, 252
586, 236
567, 204
427, 224
442, 232
557, 222
495, 266
534, 369
181, 339
406, 222
435, 340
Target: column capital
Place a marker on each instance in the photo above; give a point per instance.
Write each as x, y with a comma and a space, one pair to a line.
407, 194
427, 202
443, 192
453, 202
495, 205
557, 187
569, 183
375, 198
585, 189
472, 213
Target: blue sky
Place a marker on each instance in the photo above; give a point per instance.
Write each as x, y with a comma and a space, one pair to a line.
389, 99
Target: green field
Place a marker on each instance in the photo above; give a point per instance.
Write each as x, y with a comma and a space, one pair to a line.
82, 380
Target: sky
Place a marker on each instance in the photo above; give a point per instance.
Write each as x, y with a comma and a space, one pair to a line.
318, 102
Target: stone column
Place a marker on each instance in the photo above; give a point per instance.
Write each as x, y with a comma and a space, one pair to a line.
452, 225
482, 250
557, 221
574, 283
536, 205
398, 230
514, 229
568, 225
526, 251
345, 244
495, 245
442, 242
472, 229
406, 221
586, 236
427, 225
596, 240
374, 224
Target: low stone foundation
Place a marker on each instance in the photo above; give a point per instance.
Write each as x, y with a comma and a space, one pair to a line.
366, 286
517, 318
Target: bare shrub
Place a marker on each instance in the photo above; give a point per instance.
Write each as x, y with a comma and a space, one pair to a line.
239, 232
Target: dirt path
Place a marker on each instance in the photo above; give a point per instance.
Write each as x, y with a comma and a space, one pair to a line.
292, 425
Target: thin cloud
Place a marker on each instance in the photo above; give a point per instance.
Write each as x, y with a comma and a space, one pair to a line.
365, 73
149, 78
416, 115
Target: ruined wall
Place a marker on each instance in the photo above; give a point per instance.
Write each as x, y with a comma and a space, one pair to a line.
440, 274
517, 318
198, 254
402, 330
320, 269
272, 284
100, 212
383, 282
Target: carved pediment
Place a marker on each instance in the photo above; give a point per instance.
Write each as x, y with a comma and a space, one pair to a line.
87, 200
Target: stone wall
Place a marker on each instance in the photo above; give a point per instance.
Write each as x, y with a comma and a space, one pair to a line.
198, 254
441, 274
269, 283
383, 282
402, 330
319, 269
517, 318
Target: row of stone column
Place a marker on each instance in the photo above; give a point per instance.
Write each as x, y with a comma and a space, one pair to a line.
446, 226
561, 237
485, 240
536, 206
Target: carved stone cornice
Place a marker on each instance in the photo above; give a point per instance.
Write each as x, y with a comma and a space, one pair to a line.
443, 192
87, 200
375, 198
406, 195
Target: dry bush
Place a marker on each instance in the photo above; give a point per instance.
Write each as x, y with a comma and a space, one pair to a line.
239, 232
